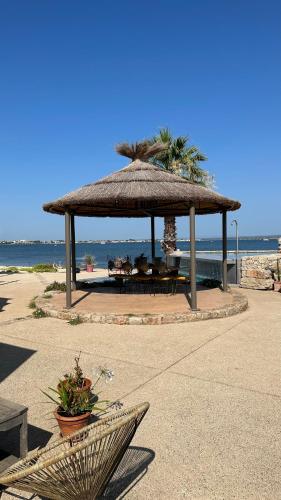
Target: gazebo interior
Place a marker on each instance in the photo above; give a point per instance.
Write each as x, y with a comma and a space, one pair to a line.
142, 190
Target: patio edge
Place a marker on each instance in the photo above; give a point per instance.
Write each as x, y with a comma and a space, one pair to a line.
240, 304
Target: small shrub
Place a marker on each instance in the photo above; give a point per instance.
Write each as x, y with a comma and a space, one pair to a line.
44, 268
12, 270
39, 313
55, 286
26, 269
32, 303
47, 296
76, 321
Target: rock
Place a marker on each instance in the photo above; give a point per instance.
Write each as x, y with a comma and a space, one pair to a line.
259, 272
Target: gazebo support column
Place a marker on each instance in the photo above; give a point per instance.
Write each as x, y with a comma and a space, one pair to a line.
152, 221
192, 259
224, 251
68, 260
73, 252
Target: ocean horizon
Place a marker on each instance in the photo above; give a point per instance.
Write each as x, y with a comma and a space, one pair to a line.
28, 254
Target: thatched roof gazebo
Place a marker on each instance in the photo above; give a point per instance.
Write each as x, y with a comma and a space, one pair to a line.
141, 190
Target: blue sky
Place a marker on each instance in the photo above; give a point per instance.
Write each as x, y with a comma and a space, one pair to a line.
78, 77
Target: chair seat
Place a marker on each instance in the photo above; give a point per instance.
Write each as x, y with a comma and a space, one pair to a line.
78, 467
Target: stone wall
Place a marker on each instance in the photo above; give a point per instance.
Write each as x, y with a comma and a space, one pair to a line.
260, 271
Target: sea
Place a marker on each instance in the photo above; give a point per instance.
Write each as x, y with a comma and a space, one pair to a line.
14, 254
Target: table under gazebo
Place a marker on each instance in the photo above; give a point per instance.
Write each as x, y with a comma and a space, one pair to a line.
142, 190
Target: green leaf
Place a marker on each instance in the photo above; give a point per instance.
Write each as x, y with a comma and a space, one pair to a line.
50, 397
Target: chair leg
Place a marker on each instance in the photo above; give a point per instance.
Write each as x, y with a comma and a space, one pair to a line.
23, 436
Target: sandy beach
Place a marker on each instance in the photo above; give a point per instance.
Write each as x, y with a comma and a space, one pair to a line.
214, 389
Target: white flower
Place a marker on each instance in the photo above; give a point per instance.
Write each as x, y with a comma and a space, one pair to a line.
105, 373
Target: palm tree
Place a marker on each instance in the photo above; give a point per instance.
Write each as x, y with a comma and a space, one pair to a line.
179, 158
174, 155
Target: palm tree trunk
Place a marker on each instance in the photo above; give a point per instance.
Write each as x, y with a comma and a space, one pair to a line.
169, 244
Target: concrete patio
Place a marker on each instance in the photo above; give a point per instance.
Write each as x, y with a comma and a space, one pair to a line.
213, 430
106, 301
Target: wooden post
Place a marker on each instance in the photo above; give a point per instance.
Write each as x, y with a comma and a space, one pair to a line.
152, 238
23, 436
224, 251
192, 259
68, 260
73, 252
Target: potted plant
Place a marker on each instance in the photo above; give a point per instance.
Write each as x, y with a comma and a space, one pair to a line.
89, 261
277, 283
75, 398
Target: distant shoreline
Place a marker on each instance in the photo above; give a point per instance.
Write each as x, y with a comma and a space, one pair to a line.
144, 240
24, 269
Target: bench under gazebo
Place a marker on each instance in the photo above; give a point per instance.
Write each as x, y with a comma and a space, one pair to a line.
142, 190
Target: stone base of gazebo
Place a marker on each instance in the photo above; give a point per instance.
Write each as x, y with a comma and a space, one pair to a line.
106, 306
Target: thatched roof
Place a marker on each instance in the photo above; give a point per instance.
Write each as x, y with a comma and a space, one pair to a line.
139, 190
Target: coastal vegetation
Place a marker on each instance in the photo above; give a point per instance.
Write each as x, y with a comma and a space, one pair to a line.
43, 268
55, 285
39, 313
12, 270
36, 268
76, 321
32, 303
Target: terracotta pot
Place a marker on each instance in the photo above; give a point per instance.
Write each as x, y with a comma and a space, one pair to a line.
68, 425
90, 268
277, 286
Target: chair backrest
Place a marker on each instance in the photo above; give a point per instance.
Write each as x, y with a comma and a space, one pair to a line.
80, 465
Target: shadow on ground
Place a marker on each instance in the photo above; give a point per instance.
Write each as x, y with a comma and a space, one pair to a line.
3, 302
11, 358
37, 438
131, 470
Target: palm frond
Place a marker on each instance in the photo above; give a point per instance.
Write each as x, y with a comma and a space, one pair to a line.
165, 135
180, 158
140, 150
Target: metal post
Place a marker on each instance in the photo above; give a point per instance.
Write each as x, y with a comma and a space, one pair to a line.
192, 259
152, 238
68, 260
237, 248
73, 252
224, 251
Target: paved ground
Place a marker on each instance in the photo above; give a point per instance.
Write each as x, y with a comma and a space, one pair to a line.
105, 301
214, 427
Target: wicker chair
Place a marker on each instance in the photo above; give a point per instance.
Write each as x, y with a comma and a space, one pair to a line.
81, 465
